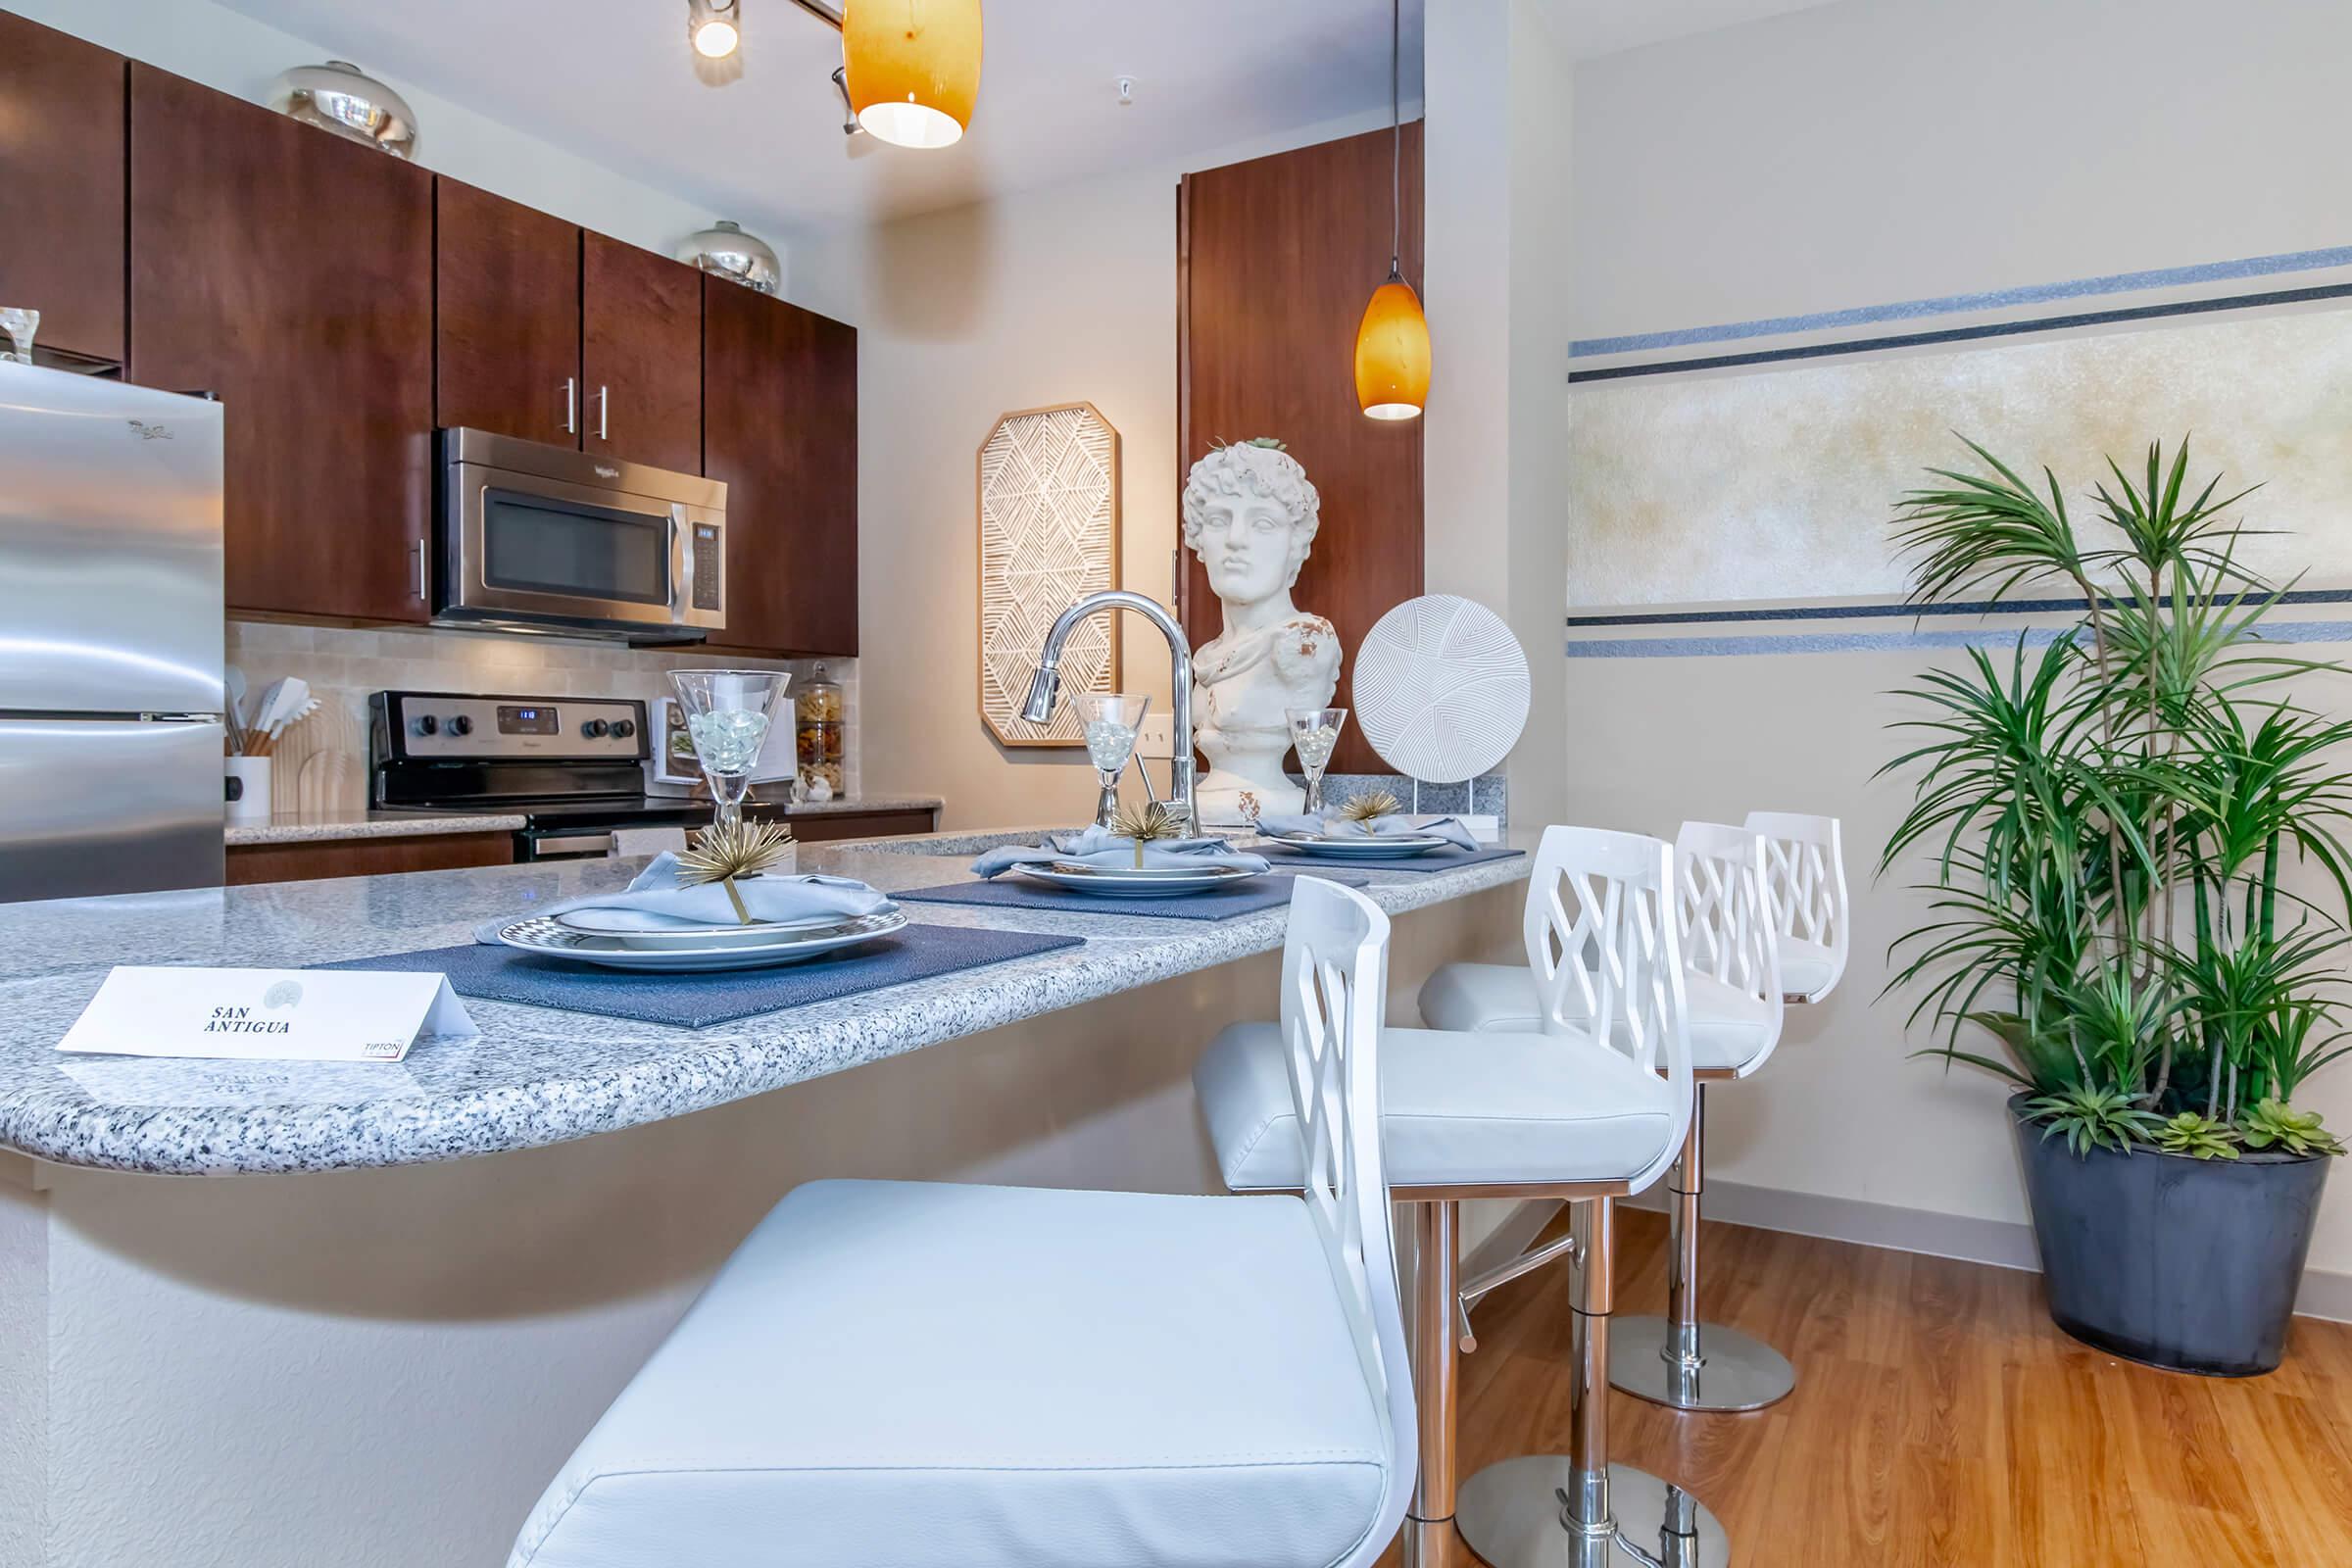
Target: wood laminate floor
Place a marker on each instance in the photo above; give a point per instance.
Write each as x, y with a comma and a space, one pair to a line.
1942, 1420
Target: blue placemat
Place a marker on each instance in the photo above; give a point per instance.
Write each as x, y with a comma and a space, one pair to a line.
1445, 860
1223, 903
697, 1001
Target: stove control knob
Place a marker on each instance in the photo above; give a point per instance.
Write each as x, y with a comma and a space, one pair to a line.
623, 728
594, 728
427, 724
460, 724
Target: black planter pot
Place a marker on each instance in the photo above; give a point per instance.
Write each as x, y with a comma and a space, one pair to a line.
2186, 1265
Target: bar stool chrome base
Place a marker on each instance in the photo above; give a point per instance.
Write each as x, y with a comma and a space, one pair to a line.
1514, 1515
1734, 1373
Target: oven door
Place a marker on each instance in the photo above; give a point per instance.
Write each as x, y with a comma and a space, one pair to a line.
524, 549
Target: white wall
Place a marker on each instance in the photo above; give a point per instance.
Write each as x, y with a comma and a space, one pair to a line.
1880, 151
1497, 295
963, 315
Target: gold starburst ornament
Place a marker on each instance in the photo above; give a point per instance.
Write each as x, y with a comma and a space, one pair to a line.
1145, 825
1368, 809
724, 852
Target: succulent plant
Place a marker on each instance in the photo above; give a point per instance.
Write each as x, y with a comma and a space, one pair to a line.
2298, 1132
2192, 1133
2094, 1118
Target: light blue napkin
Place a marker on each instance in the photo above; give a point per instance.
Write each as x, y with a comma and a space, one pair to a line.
658, 900
1395, 825
1100, 846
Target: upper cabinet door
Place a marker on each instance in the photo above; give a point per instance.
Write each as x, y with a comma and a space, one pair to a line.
640, 355
61, 185
780, 428
291, 273
509, 339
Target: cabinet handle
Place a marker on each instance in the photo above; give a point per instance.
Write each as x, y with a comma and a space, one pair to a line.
424, 572
571, 406
604, 414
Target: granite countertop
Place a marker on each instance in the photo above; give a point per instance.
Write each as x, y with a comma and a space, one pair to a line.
535, 1076
323, 827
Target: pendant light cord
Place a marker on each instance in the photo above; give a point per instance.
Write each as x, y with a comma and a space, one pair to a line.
1397, 126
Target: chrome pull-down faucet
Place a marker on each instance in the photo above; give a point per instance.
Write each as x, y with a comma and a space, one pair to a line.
1046, 684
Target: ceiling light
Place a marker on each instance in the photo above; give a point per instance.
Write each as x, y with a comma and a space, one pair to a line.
1392, 342
915, 68
715, 27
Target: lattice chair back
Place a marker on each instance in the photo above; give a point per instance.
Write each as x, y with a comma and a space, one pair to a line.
1334, 986
1602, 942
1728, 930
1805, 882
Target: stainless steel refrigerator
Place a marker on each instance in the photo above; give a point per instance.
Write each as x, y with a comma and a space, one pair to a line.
111, 694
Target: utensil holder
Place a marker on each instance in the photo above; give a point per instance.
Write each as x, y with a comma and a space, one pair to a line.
247, 788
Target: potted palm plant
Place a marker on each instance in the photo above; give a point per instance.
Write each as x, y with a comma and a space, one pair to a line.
2103, 814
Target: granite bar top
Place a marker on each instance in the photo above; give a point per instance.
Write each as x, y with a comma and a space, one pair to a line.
535, 1076
325, 827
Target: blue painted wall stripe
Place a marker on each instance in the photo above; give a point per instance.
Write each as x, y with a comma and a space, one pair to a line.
1974, 607
1954, 304
2310, 631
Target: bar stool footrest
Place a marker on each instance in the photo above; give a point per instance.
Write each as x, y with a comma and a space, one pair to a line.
1739, 1372
1509, 1514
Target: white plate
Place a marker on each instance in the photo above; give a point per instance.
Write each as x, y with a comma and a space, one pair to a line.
1125, 882
551, 939
667, 939
1394, 847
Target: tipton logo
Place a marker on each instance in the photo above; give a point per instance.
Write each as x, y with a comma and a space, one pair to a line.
151, 432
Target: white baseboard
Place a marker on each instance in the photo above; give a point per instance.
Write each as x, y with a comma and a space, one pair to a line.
2004, 1244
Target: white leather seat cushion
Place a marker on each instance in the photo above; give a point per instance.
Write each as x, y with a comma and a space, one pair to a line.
1729, 1029
1805, 968
1456, 1109
917, 1375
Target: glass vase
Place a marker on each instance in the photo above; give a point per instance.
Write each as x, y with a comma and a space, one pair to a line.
728, 714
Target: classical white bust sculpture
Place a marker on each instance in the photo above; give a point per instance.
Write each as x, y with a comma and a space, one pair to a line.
1249, 514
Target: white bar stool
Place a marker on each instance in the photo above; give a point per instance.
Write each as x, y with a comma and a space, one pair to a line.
1804, 883
919, 1375
1579, 1113
1731, 953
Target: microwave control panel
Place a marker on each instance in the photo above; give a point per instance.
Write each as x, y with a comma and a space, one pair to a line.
710, 566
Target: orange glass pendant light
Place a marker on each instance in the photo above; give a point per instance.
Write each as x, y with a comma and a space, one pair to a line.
914, 68
1392, 342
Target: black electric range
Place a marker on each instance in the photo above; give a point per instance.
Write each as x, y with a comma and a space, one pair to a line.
572, 767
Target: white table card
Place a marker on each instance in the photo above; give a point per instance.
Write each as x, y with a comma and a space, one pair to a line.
267, 1014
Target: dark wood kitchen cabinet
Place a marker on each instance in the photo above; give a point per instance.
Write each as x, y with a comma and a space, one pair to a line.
780, 428
61, 185
507, 297
640, 355
290, 272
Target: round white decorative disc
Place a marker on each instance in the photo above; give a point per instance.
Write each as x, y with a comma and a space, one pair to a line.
1441, 689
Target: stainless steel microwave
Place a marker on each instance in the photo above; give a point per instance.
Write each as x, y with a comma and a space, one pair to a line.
544, 538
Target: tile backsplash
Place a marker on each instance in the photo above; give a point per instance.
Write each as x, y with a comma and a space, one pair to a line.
344, 665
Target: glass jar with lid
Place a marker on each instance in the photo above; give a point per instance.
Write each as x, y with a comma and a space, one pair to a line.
821, 732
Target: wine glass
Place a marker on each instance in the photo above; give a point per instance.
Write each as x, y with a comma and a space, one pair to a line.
727, 716
1111, 721
1314, 734
20, 323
